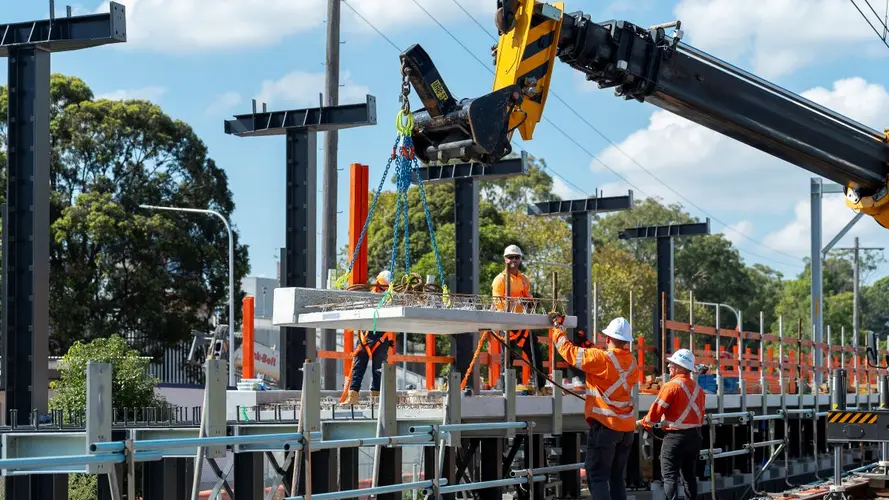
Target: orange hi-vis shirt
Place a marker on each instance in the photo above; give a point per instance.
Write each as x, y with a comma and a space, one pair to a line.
610, 377
363, 341
519, 286
679, 405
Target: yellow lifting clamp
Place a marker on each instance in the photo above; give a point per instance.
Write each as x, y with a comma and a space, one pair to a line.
875, 205
526, 53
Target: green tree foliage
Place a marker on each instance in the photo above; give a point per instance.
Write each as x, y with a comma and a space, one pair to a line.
116, 268
132, 388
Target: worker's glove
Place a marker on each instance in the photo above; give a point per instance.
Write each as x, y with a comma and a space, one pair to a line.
557, 318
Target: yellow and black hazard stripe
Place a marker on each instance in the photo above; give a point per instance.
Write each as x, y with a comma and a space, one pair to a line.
537, 56
852, 417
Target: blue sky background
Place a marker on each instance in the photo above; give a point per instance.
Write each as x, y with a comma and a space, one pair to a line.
203, 62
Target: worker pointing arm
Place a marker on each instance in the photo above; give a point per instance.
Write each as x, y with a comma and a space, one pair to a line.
610, 377
679, 411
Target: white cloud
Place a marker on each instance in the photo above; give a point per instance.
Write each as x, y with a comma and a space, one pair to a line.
794, 237
738, 232
223, 102
719, 173
777, 36
565, 191
148, 93
198, 25
301, 89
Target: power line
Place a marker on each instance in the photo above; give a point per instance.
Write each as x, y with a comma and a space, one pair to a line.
612, 143
869, 23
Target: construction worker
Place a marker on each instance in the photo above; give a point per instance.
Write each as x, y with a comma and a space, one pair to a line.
519, 287
372, 347
679, 411
610, 377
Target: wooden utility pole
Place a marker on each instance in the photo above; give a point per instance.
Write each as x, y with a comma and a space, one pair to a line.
329, 183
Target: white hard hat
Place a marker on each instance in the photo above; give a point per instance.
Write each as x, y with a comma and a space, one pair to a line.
512, 250
683, 358
384, 277
620, 329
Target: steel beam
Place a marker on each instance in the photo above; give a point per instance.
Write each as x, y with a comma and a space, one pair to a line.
466, 246
66, 33
592, 205
664, 303
437, 174
320, 119
300, 127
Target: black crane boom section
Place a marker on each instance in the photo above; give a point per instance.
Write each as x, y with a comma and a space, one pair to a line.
648, 66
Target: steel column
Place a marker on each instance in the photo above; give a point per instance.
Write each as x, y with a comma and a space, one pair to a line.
664, 303
26, 255
570, 444
466, 245
249, 476
581, 271
348, 475
491, 455
160, 479
298, 344
817, 306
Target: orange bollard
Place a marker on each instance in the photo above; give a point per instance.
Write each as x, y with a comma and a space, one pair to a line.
430, 366
247, 351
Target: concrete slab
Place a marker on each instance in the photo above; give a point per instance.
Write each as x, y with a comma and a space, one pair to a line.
423, 320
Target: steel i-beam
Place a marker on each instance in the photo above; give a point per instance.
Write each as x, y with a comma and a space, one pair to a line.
300, 127
25, 327
465, 177
664, 236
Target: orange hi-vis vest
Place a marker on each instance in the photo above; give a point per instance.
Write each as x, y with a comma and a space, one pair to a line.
610, 377
679, 405
519, 286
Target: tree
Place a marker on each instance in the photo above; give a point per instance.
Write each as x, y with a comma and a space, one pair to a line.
115, 268
132, 388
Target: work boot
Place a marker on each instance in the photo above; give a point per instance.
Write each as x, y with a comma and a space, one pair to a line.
352, 398
374, 396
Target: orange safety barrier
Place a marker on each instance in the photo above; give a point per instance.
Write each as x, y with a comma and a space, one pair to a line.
247, 370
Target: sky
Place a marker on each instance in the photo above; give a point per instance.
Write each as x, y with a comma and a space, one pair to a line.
203, 62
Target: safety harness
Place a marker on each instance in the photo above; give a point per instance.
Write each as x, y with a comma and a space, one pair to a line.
692, 406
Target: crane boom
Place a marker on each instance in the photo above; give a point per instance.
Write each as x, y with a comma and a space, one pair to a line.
646, 65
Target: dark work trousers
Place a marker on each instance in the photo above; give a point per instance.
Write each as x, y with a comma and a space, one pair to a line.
359, 364
679, 455
607, 451
537, 361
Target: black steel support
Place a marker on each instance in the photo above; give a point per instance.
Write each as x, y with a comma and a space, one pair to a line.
664, 303
581, 212
570, 444
249, 476
581, 272
465, 177
467, 267
298, 269
300, 128
25, 296
491, 467
391, 472
161, 480
348, 475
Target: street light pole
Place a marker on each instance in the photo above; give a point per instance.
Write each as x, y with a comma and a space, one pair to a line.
231, 280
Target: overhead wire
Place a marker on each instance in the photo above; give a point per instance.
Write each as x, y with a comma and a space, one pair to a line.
613, 144
869, 23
